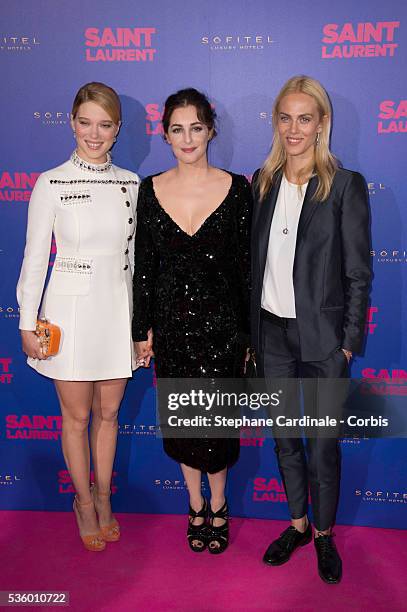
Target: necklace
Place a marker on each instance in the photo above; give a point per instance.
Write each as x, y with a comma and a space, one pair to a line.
285, 229
83, 165
299, 201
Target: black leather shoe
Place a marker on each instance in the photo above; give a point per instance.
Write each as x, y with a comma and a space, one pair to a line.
281, 549
329, 561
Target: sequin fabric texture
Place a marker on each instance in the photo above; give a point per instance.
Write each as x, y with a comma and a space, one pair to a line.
193, 291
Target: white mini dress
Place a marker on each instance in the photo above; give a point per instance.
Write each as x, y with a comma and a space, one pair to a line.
90, 209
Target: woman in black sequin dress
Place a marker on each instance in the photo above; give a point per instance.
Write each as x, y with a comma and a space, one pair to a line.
191, 282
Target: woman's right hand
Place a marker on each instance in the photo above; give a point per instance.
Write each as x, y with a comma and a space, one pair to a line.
32, 345
144, 350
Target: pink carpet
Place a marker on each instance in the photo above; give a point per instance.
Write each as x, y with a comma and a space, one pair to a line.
151, 568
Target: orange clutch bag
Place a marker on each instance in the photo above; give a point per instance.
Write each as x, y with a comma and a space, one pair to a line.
49, 335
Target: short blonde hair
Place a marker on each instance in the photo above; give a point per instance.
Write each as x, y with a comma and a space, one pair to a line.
101, 94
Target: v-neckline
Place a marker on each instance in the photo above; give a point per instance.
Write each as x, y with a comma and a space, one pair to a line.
215, 210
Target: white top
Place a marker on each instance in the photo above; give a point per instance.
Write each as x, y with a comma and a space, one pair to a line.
90, 209
278, 288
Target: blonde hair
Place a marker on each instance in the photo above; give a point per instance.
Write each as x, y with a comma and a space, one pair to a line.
324, 164
101, 94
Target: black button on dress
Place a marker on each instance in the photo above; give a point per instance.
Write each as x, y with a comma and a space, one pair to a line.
193, 291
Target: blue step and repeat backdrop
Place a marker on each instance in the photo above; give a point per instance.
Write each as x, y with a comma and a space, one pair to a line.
240, 53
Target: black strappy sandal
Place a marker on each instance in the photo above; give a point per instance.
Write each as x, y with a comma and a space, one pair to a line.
220, 534
197, 534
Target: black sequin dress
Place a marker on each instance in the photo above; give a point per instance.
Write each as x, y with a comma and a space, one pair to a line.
193, 291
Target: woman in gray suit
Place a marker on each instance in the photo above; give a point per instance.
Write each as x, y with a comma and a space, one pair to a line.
311, 276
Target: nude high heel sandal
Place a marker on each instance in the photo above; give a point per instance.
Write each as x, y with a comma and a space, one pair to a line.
93, 542
111, 532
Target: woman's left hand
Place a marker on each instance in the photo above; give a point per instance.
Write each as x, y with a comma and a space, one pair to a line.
249, 362
144, 350
348, 354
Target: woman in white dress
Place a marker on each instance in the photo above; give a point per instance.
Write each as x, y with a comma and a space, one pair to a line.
89, 205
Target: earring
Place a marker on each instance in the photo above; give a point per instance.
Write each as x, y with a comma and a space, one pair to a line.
114, 139
74, 134
317, 140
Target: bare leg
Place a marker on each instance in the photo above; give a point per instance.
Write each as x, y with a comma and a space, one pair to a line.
193, 479
103, 438
217, 483
324, 532
75, 399
300, 524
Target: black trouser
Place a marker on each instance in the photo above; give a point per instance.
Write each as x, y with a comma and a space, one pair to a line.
319, 464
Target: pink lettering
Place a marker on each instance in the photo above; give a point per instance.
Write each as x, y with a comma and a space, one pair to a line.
331, 33
347, 34
5, 363
386, 109
92, 38
120, 37
153, 114
370, 312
